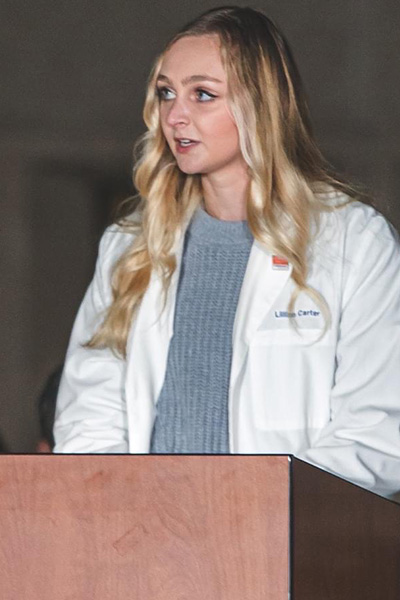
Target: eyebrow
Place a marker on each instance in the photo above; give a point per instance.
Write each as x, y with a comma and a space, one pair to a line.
190, 79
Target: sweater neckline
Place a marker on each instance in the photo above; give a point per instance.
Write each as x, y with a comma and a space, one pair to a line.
205, 228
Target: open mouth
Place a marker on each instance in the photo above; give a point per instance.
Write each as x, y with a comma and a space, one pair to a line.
182, 145
185, 143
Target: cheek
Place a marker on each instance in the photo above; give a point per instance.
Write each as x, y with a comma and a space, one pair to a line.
167, 134
163, 116
225, 131
163, 124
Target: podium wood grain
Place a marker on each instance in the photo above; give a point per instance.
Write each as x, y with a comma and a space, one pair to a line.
108, 527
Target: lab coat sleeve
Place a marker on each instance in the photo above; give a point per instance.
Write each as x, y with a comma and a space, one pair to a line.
361, 442
90, 411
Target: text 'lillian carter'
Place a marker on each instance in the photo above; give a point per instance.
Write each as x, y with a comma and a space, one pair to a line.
284, 314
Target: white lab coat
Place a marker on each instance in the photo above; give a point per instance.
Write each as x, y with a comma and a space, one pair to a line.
333, 401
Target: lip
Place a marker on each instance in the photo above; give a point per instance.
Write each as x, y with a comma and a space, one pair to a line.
177, 139
184, 149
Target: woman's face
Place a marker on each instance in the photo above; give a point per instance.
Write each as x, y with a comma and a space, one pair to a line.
192, 87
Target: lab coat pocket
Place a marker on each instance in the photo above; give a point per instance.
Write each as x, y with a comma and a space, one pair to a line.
288, 378
289, 336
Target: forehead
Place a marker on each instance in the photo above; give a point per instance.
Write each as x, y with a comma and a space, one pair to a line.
193, 55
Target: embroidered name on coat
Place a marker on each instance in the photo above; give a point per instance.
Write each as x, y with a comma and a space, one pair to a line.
284, 314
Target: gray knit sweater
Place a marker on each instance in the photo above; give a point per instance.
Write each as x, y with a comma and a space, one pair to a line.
192, 409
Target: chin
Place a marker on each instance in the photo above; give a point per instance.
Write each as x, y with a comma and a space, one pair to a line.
188, 170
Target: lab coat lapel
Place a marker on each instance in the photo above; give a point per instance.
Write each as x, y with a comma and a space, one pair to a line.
147, 354
261, 286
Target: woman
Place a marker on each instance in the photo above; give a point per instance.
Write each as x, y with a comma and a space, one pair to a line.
251, 304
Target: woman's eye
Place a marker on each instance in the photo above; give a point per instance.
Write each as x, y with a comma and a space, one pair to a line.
210, 96
161, 93
201, 94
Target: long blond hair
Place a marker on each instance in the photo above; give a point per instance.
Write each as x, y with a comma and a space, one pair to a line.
287, 170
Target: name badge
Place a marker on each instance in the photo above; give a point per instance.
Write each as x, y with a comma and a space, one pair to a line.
280, 263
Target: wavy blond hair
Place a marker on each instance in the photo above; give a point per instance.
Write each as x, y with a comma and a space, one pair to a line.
288, 175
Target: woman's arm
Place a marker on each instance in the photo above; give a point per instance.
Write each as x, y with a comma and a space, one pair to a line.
362, 441
91, 413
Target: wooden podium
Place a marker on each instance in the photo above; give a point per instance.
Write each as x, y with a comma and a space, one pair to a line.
191, 527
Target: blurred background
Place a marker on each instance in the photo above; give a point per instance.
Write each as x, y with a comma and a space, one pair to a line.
73, 77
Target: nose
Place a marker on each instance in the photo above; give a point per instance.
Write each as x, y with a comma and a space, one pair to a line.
177, 113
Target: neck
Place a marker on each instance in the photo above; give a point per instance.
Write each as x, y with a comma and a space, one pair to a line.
225, 194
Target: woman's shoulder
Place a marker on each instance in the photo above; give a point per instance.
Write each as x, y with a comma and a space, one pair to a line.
353, 234
352, 218
118, 236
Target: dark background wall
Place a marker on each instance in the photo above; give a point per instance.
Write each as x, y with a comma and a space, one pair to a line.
73, 76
